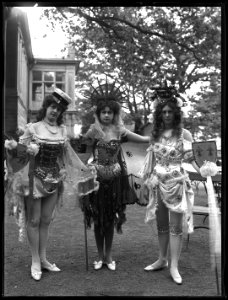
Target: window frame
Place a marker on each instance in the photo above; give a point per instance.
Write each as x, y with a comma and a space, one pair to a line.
55, 83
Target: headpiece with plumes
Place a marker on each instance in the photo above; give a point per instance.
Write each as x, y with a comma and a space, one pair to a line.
163, 94
105, 92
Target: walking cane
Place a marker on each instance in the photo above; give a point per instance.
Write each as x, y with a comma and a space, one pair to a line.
86, 248
217, 279
31, 177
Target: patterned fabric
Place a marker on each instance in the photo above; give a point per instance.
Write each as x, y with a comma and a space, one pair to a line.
170, 180
106, 159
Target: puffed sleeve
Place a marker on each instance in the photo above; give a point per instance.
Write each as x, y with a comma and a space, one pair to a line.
26, 138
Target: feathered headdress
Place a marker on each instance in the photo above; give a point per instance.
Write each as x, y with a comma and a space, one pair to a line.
164, 93
105, 92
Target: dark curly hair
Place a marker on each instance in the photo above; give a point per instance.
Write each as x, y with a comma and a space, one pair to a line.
158, 125
48, 100
113, 105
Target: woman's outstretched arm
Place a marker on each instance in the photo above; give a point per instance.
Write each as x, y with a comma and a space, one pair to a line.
134, 137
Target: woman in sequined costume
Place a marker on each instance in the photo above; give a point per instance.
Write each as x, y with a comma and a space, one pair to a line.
167, 185
39, 164
106, 208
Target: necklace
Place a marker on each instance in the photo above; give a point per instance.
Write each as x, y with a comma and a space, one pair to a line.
50, 127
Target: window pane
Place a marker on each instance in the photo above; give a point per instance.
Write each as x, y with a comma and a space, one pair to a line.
37, 91
49, 76
37, 75
60, 86
60, 76
48, 88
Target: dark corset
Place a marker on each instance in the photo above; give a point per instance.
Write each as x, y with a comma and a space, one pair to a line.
48, 154
107, 152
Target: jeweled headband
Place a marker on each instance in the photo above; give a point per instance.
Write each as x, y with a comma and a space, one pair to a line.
105, 92
164, 94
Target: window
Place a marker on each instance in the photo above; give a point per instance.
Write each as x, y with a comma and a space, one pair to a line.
44, 82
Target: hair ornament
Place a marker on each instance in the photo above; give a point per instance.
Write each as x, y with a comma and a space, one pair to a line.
179, 102
105, 92
163, 94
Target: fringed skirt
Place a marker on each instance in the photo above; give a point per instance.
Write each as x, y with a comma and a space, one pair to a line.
106, 207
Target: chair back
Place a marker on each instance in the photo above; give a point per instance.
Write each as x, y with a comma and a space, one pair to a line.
204, 151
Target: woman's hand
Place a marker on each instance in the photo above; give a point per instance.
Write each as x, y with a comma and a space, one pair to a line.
63, 174
10, 144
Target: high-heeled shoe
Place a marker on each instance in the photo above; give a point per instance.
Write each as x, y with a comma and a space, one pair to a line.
50, 267
176, 276
36, 274
156, 266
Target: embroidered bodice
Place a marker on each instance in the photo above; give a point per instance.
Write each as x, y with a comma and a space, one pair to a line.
51, 146
48, 154
169, 158
106, 152
106, 159
169, 154
173, 153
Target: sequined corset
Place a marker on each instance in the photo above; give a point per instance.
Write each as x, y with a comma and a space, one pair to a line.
106, 152
105, 159
48, 154
47, 167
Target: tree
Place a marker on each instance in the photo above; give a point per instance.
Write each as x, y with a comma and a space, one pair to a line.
140, 46
206, 123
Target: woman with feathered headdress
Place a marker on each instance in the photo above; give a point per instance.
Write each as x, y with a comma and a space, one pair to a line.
167, 185
106, 208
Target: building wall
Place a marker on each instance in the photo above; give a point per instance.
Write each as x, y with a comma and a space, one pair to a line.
10, 100
22, 82
19, 108
16, 73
